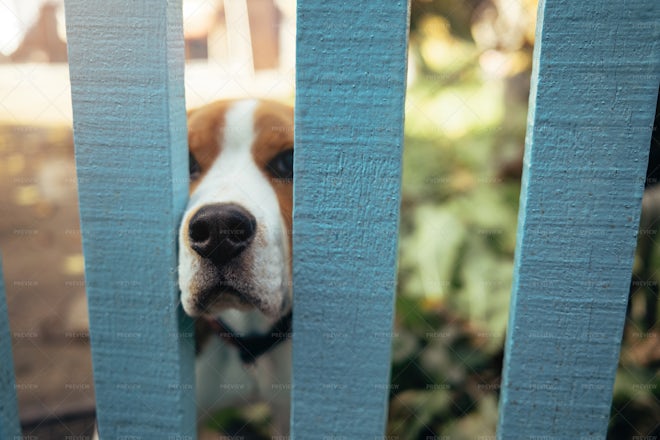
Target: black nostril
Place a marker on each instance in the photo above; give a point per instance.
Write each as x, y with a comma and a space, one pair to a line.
221, 231
200, 231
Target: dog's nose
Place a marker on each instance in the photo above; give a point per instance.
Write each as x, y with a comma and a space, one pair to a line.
221, 231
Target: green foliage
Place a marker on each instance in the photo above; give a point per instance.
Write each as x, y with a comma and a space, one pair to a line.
636, 404
456, 247
466, 112
465, 131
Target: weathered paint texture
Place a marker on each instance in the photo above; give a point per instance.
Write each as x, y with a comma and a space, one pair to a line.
594, 87
350, 89
126, 64
9, 427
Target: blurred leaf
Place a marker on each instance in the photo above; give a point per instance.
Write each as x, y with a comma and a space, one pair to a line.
478, 424
432, 251
636, 404
412, 413
404, 346
455, 111
486, 288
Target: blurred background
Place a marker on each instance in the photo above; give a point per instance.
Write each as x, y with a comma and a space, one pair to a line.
468, 86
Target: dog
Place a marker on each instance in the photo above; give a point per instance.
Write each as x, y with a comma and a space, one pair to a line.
235, 254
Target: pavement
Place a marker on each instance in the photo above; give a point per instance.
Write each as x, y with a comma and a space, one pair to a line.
43, 271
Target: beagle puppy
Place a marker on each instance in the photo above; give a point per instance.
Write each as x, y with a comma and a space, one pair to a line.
235, 254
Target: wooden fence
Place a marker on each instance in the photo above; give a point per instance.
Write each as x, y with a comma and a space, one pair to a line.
594, 86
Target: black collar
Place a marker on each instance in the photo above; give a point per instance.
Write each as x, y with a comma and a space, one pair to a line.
253, 345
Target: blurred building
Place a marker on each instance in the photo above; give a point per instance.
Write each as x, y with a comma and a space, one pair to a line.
32, 31
241, 35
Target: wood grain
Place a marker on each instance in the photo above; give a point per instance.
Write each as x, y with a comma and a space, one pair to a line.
350, 90
9, 427
594, 87
126, 66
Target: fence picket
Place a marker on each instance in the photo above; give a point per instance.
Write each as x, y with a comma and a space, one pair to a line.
126, 65
592, 103
9, 427
594, 88
350, 89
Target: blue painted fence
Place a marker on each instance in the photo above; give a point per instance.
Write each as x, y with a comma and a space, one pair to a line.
592, 104
9, 426
595, 82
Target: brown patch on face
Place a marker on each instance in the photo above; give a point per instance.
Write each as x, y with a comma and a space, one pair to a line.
205, 133
274, 133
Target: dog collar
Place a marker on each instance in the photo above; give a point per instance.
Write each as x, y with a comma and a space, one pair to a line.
253, 345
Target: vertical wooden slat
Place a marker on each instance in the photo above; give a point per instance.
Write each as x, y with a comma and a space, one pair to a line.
592, 102
9, 426
351, 65
126, 64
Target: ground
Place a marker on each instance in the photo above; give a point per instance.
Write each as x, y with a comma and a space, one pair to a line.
43, 270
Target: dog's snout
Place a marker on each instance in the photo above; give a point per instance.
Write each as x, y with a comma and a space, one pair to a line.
221, 231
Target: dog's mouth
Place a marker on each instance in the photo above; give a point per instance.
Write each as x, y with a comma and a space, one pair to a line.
221, 296
254, 280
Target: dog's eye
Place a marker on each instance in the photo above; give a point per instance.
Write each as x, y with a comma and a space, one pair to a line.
193, 167
281, 166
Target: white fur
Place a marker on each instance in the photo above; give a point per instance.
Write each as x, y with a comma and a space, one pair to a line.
224, 381
221, 378
262, 270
